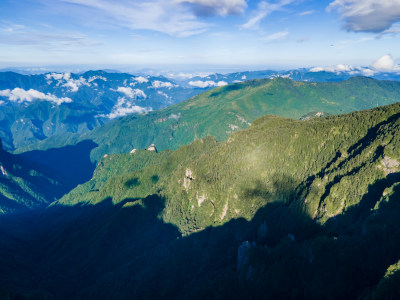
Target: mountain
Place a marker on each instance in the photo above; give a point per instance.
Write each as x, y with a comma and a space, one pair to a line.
26, 185
34, 107
338, 73
37, 106
283, 209
224, 110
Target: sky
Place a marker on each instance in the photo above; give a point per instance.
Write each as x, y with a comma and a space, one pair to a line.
250, 34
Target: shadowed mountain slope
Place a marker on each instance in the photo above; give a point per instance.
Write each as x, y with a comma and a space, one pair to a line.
284, 209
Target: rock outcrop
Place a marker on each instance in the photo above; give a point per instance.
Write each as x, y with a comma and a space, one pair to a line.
152, 147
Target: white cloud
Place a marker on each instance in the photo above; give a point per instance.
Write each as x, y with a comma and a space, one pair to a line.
166, 16
20, 95
276, 36
132, 93
60, 41
264, 9
306, 13
141, 79
175, 116
367, 15
65, 80
222, 83
342, 68
93, 78
206, 84
367, 72
162, 84
384, 63
213, 7
125, 107
163, 94
335, 69
186, 76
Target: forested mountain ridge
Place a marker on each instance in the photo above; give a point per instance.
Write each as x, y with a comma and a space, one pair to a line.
283, 209
224, 110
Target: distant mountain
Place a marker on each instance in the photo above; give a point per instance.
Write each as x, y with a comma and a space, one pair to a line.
222, 111
286, 209
311, 75
34, 107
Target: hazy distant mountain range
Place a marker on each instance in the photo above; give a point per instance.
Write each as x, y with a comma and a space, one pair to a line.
35, 107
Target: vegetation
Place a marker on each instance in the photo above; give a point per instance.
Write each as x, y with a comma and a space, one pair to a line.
26, 185
283, 209
225, 110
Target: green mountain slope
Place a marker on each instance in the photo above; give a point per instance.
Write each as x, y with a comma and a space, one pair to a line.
283, 209
224, 110
26, 185
208, 183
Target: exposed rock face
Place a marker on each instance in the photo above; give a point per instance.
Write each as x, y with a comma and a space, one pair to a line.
313, 115
187, 179
390, 165
134, 150
152, 147
3, 171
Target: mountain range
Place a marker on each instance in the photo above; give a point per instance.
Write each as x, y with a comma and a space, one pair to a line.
37, 106
283, 209
268, 188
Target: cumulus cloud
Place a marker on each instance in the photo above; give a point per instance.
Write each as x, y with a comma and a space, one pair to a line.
141, 79
93, 78
65, 80
175, 116
264, 9
384, 63
162, 84
20, 95
125, 107
335, 69
206, 84
341, 68
132, 93
216, 7
367, 15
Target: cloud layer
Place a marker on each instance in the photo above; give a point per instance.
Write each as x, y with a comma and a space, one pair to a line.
125, 107
20, 95
132, 93
264, 9
216, 7
367, 15
170, 17
206, 84
384, 63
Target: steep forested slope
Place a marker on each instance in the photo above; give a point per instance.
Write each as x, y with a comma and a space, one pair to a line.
26, 185
284, 209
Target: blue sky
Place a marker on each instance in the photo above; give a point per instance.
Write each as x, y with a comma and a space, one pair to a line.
277, 34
